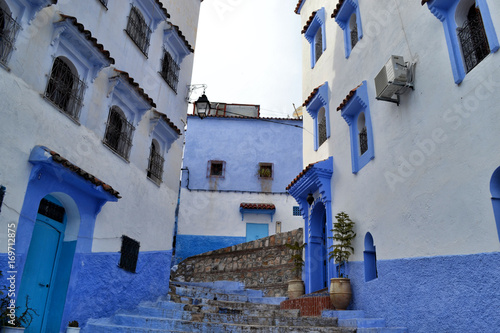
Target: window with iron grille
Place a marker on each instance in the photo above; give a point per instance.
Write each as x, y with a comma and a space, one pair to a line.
363, 141
129, 254
138, 30
104, 3
321, 127
2, 194
65, 89
318, 44
155, 166
8, 32
51, 210
170, 70
354, 31
266, 170
119, 133
216, 169
296, 211
473, 39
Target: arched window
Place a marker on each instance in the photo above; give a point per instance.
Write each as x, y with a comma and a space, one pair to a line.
155, 165
471, 34
353, 27
138, 30
65, 89
370, 257
362, 133
495, 197
318, 45
321, 126
8, 32
119, 132
170, 70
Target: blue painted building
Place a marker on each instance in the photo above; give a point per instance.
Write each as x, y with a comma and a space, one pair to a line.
420, 175
92, 107
235, 169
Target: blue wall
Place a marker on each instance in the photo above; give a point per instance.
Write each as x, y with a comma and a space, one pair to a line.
190, 245
98, 287
242, 144
435, 294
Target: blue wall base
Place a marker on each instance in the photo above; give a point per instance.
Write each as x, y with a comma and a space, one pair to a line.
191, 245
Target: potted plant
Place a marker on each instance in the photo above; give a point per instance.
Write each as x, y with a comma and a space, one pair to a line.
73, 327
296, 285
343, 235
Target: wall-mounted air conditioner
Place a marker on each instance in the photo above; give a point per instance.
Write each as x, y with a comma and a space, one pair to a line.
395, 78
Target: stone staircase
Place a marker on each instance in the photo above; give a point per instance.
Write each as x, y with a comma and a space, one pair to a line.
221, 306
356, 319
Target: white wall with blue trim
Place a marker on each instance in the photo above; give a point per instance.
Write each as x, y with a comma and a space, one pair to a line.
425, 197
88, 283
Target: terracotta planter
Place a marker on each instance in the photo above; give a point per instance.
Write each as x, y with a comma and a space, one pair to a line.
295, 288
340, 293
8, 329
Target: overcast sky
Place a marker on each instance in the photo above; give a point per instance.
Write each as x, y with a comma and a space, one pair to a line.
249, 52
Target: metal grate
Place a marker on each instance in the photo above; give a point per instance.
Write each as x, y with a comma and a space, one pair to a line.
129, 254
119, 133
473, 39
216, 169
296, 211
170, 70
318, 45
65, 90
138, 30
265, 170
155, 167
51, 210
354, 35
363, 141
8, 32
321, 130
2, 195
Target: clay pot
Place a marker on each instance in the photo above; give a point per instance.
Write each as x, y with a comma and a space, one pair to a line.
295, 288
340, 293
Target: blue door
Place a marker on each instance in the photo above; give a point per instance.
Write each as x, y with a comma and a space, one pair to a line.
38, 274
257, 231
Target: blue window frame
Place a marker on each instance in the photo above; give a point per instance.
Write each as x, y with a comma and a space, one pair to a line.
495, 197
356, 112
349, 19
370, 258
315, 33
319, 111
454, 16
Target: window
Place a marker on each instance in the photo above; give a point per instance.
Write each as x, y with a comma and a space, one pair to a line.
2, 195
155, 165
495, 197
469, 31
266, 170
317, 107
119, 133
314, 32
129, 254
296, 211
348, 17
138, 30
64, 89
8, 32
170, 70
216, 169
370, 258
356, 112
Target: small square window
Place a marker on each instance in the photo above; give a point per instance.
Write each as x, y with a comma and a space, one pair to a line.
266, 170
296, 211
129, 254
216, 169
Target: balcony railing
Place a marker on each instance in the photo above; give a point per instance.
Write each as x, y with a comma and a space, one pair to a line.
8, 32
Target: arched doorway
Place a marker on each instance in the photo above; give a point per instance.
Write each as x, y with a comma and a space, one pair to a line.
318, 260
48, 262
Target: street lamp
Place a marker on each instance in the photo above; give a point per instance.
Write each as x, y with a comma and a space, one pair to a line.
310, 199
202, 106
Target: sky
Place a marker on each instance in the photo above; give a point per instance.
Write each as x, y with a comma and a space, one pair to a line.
249, 52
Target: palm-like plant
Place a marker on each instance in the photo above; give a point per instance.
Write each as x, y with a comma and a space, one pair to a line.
343, 235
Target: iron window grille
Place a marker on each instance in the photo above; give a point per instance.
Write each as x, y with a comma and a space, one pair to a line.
318, 44
170, 70
129, 254
8, 32
363, 141
104, 3
321, 131
2, 195
354, 35
65, 90
216, 169
266, 170
155, 167
51, 210
296, 211
119, 133
473, 39
138, 30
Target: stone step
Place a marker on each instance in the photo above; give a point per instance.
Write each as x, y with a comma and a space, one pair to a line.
362, 322
383, 330
207, 294
356, 318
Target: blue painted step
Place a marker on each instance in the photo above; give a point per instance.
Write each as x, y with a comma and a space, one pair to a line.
356, 319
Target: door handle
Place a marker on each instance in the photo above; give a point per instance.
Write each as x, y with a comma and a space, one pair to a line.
43, 285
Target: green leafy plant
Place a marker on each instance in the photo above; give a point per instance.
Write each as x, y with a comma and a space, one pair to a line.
343, 235
8, 315
298, 262
73, 323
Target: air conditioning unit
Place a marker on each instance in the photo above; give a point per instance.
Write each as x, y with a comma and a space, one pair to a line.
394, 79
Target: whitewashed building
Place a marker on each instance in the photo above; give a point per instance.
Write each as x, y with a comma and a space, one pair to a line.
410, 154
92, 107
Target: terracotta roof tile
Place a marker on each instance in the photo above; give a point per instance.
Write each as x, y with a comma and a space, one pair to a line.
300, 175
82, 173
425, 1
134, 84
296, 11
169, 122
311, 95
164, 10
88, 36
308, 23
337, 8
183, 38
245, 117
245, 205
348, 97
